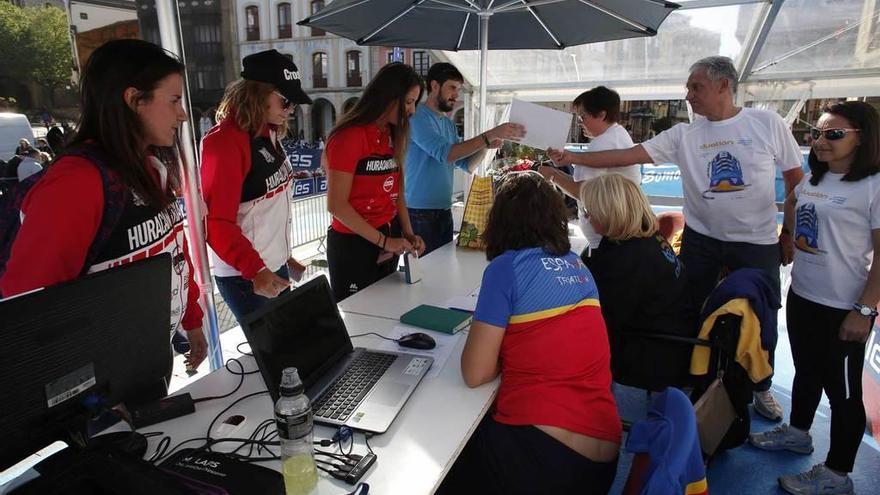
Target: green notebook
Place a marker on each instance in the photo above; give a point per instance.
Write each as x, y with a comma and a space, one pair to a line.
438, 319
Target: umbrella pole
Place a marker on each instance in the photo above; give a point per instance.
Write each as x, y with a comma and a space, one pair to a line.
483, 116
484, 69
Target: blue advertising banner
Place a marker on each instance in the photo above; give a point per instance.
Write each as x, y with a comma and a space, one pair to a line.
302, 157
309, 187
308, 177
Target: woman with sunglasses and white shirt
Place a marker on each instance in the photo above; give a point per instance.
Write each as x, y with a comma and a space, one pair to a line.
246, 180
833, 216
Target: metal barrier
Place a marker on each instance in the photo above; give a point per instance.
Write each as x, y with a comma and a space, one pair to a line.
310, 220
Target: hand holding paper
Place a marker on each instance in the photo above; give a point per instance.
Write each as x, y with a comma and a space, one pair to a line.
505, 132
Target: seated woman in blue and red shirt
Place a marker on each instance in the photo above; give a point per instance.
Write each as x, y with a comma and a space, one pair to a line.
538, 324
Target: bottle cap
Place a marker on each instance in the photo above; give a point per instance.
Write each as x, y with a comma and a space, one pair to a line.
290, 382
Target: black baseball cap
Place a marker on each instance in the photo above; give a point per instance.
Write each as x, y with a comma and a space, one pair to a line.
274, 68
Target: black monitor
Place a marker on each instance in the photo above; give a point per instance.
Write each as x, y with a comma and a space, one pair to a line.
103, 338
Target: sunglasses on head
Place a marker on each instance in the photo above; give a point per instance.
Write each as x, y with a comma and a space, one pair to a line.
285, 103
830, 134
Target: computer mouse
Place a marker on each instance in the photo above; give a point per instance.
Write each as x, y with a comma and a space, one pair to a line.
417, 340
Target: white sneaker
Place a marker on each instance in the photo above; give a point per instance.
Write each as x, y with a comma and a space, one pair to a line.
766, 405
783, 437
817, 481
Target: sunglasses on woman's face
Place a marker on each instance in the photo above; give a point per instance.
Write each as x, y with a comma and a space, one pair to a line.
285, 103
830, 134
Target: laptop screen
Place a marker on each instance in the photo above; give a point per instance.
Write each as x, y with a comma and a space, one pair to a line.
302, 329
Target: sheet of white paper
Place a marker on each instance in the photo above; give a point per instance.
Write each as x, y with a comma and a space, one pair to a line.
545, 127
445, 344
464, 303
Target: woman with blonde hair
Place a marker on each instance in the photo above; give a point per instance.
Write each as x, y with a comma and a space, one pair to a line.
639, 277
246, 180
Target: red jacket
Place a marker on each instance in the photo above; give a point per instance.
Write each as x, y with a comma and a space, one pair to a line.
246, 185
60, 218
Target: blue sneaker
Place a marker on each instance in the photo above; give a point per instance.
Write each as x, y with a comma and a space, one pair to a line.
817, 481
783, 437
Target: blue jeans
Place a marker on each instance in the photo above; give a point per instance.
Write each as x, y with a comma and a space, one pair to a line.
238, 292
434, 226
704, 258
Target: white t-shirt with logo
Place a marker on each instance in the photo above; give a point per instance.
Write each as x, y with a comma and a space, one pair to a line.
728, 170
614, 138
832, 237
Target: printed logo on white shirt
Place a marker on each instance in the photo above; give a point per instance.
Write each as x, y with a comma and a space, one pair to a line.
725, 175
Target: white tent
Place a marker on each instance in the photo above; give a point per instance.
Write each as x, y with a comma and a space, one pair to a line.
784, 50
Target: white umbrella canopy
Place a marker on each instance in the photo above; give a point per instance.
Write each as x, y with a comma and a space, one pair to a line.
465, 24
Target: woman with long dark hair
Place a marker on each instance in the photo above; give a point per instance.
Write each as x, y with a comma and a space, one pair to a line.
364, 162
833, 216
120, 166
555, 427
246, 181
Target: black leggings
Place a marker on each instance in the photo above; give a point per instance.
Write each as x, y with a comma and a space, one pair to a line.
352, 260
523, 460
824, 362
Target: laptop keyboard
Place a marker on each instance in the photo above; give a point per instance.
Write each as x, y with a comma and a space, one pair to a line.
340, 400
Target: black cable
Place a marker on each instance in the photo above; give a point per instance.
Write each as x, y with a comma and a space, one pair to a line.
160, 449
167, 454
322, 468
330, 463
367, 442
240, 373
238, 348
334, 455
373, 333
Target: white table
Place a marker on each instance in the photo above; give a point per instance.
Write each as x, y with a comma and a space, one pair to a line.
438, 419
446, 272
413, 455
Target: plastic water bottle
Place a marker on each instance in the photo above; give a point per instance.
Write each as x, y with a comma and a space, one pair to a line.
293, 419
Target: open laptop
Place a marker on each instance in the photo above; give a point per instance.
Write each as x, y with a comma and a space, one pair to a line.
348, 386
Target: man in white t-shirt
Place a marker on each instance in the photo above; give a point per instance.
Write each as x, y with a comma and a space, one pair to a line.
728, 164
598, 111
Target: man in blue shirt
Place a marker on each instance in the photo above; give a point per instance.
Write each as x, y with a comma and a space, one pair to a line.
434, 150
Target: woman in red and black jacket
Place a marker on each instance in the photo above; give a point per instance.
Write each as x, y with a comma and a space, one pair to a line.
246, 181
364, 163
120, 165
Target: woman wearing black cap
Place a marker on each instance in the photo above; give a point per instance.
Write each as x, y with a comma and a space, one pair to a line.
111, 198
364, 163
246, 184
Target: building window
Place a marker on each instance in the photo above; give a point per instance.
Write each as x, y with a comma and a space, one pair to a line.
284, 30
353, 69
208, 78
421, 62
84, 15
316, 6
206, 41
319, 70
252, 22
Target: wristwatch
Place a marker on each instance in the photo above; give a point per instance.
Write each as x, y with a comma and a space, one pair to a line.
865, 310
